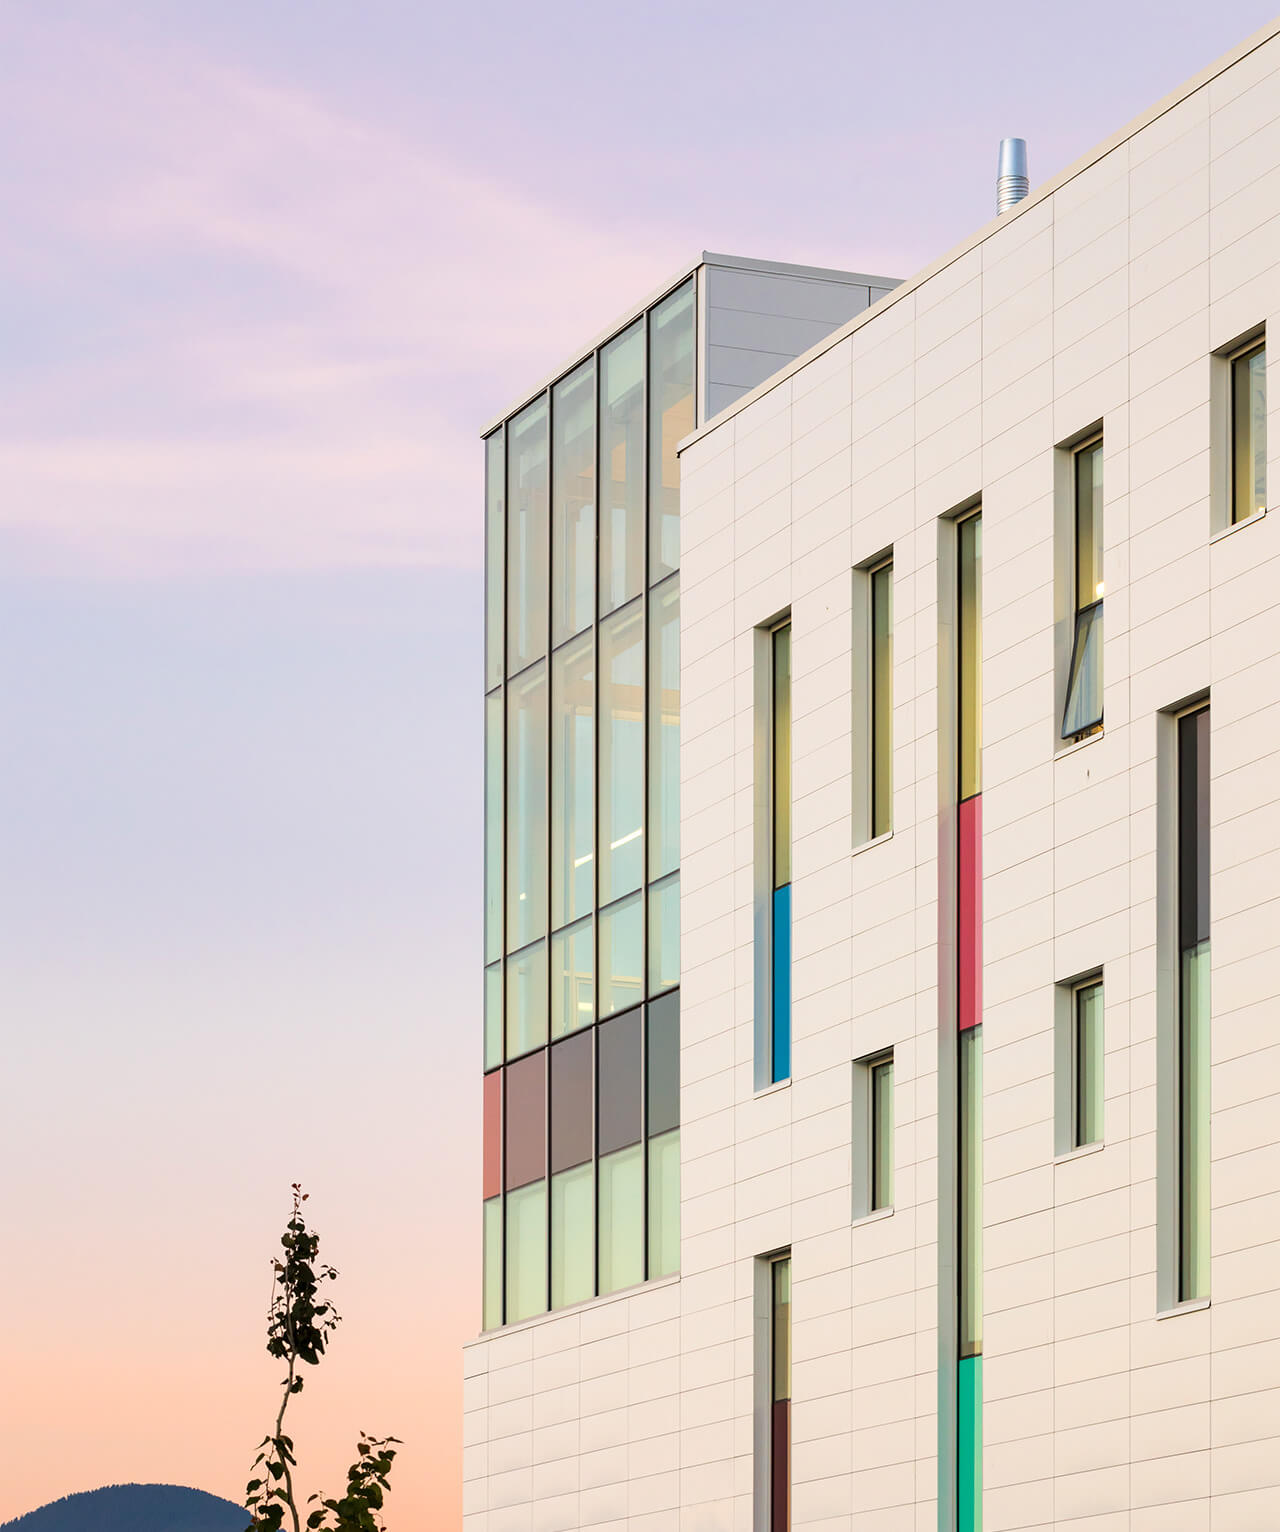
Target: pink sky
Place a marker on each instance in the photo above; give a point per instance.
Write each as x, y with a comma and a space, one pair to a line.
267, 270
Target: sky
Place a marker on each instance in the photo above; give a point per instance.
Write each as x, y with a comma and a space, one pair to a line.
266, 269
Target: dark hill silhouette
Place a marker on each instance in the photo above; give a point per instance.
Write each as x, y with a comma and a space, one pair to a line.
134, 1508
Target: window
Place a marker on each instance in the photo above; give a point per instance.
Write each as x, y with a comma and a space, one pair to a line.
621, 1154
621, 748
1248, 449
873, 700
527, 806
1083, 711
662, 1125
872, 1139
622, 440
882, 1134
780, 783
969, 1371
573, 502
1087, 1095
494, 536
527, 539
671, 417
969, 540
1193, 1004
780, 1404
572, 780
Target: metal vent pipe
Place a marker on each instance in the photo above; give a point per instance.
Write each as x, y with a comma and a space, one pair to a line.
1011, 176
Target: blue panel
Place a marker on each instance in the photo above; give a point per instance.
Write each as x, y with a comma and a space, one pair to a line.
969, 1465
782, 983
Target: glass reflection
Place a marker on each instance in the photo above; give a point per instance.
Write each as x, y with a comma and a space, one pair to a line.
572, 978
527, 536
664, 934
621, 746
573, 502
664, 728
572, 780
1249, 434
492, 827
526, 806
527, 999
621, 950
621, 475
671, 417
494, 535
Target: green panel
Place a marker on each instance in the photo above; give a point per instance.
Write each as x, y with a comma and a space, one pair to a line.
526, 1251
882, 700
493, 1263
664, 1204
969, 1457
621, 1223
970, 603
664, 934
1194, 1125
971, 1191
572, 1236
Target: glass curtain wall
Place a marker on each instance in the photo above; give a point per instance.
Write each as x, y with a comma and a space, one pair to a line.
582, 815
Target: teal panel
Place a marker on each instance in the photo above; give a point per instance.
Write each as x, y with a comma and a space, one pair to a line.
969, 1464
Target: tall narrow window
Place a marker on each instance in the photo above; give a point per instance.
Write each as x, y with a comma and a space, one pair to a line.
1087, 1063
1083, 711
780, 1028
573, 502
1193, 1005
882, 699
780, 1423
969, 1378
882, 1134
494, 536
621, 478
1248, 455
969, 537
672, 333
528, 536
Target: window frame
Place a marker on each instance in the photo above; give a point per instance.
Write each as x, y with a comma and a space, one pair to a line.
1078, 1079
1085, 616
1245, 352
881, 1152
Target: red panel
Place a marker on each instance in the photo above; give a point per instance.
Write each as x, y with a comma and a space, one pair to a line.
969, 900
492, 1134
526, 1120
780, 1465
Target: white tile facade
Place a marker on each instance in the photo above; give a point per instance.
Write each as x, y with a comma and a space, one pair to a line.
1102, 298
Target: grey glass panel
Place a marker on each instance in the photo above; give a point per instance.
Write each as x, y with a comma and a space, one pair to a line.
662, 1074
573, 1236
621, 750
494, 536
528, 536
664, 934
572, 780
672, 347
621, 477
1084, 681
971, 1191
969, 537
664, 1204
1088, 470
1249, 434
1193, 1136
619, 1094
526, 999
621, 954
526, 1252
782, 756
525, 1092
882, 700
882, 1134
573, 502
493, 1263
1088, 1064
1193, 828
664, 728
493, 827
493, 1015
572, 1101
621, 1219
572, 978
526, 807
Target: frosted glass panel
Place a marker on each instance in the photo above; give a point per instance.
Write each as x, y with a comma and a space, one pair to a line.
572, 1236
622, 468
528, 536
664, 1204
572, 780
672, 348
621, 1205
621, 752
573, 502
664, 728
526, 1252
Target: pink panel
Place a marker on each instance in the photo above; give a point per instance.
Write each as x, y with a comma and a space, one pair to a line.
492, 1134
969, 892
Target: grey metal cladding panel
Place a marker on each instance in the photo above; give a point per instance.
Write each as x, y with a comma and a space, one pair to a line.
743, 369
721, 395
758, 292
783, 334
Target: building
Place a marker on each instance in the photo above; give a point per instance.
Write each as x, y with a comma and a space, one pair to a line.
979, 1093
